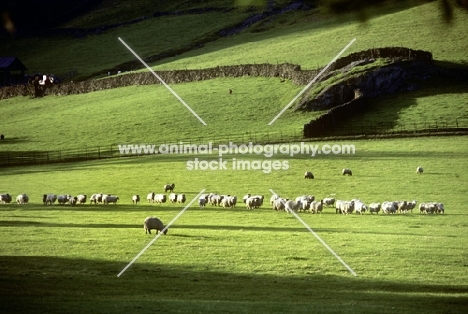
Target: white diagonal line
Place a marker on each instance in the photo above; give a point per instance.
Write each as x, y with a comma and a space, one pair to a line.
320, 239
162, 231
162, 82
311, 82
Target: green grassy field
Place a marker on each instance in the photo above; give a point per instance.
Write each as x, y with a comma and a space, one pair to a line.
61, 259
306, 38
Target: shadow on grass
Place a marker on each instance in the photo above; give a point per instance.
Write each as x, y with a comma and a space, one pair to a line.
43, 284
175, 228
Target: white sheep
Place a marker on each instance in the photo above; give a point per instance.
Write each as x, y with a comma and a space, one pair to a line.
160, 198
216, 199
81, 199
290, 206
180, 198
73, 200
50, 199
419, 170
63, 199
95, 198
440, 208
259, 201
135, 199
110, 199
329, 201
173, 198
359, 207
22, 199
273, 198
402, 207
154, 223
411, 205
344, 207
389, 207
347, 172
279, 204
202, 202
374, 208
150, 197
316, 207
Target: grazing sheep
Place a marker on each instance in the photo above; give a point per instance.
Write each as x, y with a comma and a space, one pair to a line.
290, 206
347, 171
308, 175
181, 198
273, 198
169, 187
96, 198
5, 198
44, 199
50, 199
359, 207
229, 201
73, 200
260, 200
202, 202
160, 198
245, 197
440, 208
402, 206
428, 208
374, 208
316, 207
411, 205
173, 198
338, 206
389, 207
304, 201
344, 207
150, 197
419, 170
254, 202
135, 199
81, 199
154, 223
279, 204
216, 199
63, 199
22, 199
329, 201
110, 199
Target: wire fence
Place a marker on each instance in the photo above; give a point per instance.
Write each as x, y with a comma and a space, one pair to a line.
408, 128
11, 158
440, 126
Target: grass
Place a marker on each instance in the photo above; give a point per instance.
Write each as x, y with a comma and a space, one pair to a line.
65, 260
150, 114
305, 38
434, 103
61, 259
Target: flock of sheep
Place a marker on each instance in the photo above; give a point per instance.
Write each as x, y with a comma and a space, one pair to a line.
308, 203
305, 203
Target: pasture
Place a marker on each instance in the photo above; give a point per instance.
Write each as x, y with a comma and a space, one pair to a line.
63, 259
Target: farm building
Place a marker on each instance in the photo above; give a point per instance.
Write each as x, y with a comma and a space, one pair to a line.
11, 71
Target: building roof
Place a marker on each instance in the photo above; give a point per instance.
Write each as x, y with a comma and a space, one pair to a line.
11, 64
